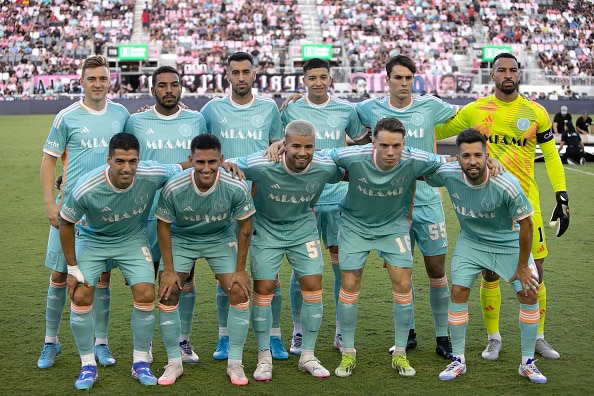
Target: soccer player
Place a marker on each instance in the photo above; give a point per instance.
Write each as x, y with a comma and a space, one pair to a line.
197, 214
165, 131
419, 115
284, 224
79, 136
244, 123
334, 119
486, 207
114, 201
514, 125
375, 215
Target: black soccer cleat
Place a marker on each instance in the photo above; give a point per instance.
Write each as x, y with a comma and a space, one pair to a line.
443, 347
411, 343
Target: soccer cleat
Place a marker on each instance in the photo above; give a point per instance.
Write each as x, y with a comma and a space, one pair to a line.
543, 348
314, 367
142, 372
401, 363
411, 343
296, 342
222, 351
492, 350
48, 354
86, 378
103, 355
443, 347
277, 348
187, 352
338, 342
263, 370
571, 162
453, 370
530, 371
583, 161
236, 374
172, 372
346, 367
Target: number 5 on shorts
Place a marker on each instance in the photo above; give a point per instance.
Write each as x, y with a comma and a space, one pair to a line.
313, 249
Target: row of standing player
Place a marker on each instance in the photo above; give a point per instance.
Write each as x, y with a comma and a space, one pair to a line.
399, 104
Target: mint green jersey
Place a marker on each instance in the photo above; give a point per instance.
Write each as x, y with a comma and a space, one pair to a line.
80, 136
379, 202
487, 213
165, 139
112, 215
207, 217
243, 129
419, 119
334, 120
284, 200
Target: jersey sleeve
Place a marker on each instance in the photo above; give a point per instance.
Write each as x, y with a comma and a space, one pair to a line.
355, 128
452, 127
56, 142
165, 209
244, 205
276, 126
442, 111
363, 113
73, 209
546, 141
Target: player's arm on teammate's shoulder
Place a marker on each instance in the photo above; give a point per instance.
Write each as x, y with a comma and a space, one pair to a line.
275, 150
495, 167
290, 99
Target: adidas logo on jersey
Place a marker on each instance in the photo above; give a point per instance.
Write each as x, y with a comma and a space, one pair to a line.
276, 187
188, 209
487, 120
455, 195
150, 131
363, 180
106, 209
85, 130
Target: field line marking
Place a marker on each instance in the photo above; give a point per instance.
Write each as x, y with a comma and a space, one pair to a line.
578, 170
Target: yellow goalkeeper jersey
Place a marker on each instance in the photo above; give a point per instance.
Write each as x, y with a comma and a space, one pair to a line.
513, 129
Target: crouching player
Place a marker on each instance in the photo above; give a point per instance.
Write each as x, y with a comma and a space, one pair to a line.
496, 235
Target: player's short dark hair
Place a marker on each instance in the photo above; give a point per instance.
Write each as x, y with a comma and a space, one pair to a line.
94, 61
315, 63
124, 141
205, 141
471, 135
390, 124
240, 56
161, 70
506, 55
401, 60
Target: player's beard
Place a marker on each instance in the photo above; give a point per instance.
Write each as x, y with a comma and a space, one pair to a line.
508, 89
167, 105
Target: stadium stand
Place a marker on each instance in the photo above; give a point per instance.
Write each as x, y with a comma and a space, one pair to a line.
51, 37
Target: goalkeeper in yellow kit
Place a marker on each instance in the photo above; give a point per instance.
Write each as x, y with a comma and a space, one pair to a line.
514, 125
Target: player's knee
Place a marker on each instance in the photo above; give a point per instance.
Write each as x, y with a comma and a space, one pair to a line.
58, 277
105, 277
490, 276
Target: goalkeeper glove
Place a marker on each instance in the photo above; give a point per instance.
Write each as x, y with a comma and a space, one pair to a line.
560, 216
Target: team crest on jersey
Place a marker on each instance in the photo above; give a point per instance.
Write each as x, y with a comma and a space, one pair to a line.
417, 119
116, 127
396, 181
523, 124
257, 121
333, 121
312, 186
221, 206
488, 205
518, 200
185, 130
141, 198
